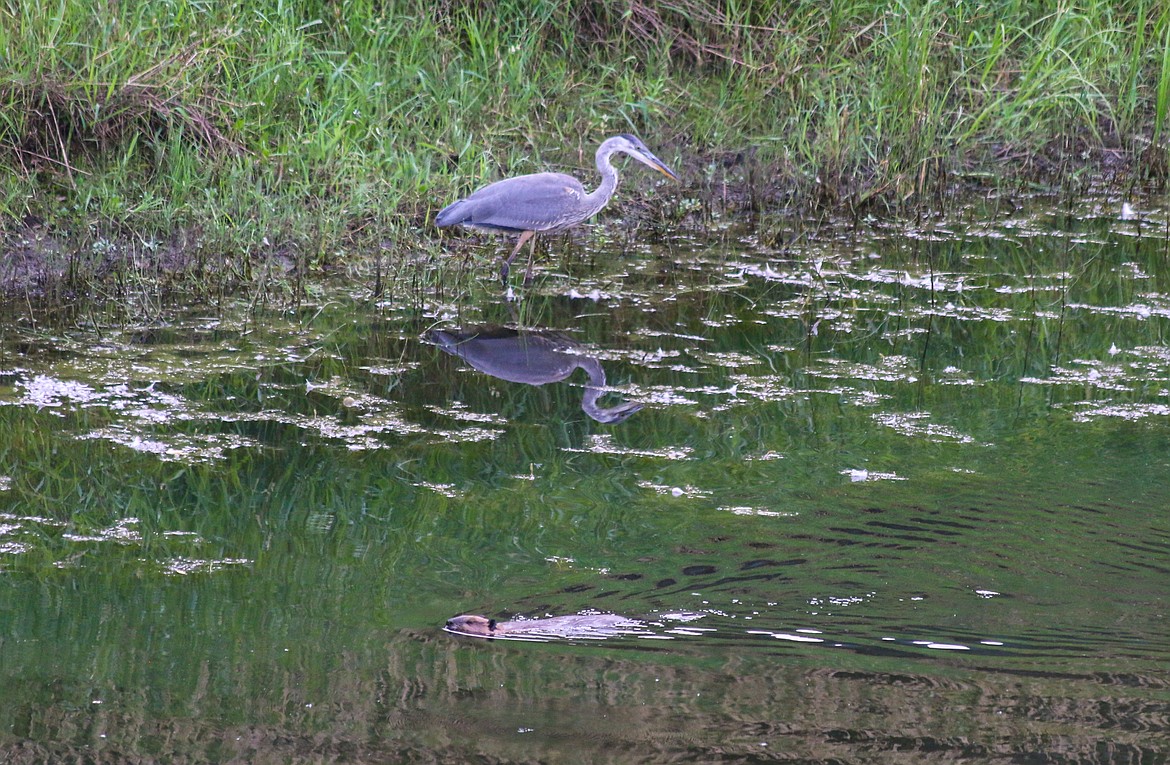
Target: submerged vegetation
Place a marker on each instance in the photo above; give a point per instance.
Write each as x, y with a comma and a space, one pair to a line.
220, 143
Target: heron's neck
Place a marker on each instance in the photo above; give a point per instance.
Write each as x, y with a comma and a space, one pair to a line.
595, 373
609, 182
592, 367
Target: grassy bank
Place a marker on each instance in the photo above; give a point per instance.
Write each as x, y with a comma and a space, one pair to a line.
204, 142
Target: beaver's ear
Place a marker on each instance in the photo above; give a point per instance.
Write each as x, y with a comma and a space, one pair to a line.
491, 625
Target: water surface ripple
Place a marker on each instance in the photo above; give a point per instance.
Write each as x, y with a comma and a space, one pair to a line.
907, 486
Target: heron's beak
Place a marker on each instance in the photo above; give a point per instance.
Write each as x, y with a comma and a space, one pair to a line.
656, 163
665, 171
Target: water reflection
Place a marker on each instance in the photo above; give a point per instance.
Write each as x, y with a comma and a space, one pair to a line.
534, 357
915, 486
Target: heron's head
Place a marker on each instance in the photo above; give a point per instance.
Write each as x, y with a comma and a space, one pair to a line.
615, 414
632, 145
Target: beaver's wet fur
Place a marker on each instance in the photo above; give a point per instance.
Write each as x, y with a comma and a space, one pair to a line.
575, 626
470, 624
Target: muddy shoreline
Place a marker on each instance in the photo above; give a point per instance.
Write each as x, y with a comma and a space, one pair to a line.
43, 262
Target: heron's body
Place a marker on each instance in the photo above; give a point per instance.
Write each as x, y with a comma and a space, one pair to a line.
534, 358
523, 203
544, 202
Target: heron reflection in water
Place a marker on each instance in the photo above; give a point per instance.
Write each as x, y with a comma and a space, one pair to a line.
544, 202
532, 357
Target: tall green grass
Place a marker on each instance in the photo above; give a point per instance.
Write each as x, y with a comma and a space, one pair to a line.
326, 130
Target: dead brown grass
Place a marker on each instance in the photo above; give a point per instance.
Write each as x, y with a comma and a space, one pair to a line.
54, 126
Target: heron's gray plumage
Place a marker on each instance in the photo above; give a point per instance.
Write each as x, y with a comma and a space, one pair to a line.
545, 202
538, 202
533, 358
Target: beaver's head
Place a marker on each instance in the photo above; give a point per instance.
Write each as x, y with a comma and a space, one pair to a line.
469, 624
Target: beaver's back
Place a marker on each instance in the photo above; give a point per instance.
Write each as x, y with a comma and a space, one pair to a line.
572, 626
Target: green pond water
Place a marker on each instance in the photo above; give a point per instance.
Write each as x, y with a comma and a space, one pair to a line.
893, 494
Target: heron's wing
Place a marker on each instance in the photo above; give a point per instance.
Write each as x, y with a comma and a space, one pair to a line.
539, 202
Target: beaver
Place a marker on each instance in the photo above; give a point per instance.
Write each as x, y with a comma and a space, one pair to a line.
576, 626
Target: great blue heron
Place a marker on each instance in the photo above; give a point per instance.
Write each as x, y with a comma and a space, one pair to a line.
544, 202
532, 357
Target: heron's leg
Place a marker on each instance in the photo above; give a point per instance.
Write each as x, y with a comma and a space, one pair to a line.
531, 257
507, 264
